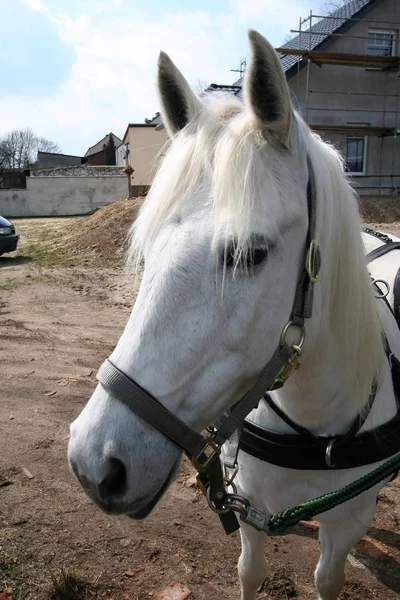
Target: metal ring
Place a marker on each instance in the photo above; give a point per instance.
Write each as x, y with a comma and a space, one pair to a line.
232, 484
219, 511
387, 286
328, 454
288, 325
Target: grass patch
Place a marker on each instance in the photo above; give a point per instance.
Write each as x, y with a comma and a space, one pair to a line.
45, 247
69, 587
7, 286
39, 278
11, 580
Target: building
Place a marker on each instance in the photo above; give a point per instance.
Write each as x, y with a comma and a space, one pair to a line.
343, 71
96, 155
141, 146
56, 159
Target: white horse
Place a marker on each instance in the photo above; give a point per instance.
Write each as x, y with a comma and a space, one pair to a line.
222, 237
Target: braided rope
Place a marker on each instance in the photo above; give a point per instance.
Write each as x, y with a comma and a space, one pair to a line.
289, 517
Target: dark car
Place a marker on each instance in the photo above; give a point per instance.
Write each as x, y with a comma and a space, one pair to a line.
8, 237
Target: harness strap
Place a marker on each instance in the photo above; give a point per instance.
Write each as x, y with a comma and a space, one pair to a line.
303, 300
233, 420
305, 433
145, 406
203, 452
381, 250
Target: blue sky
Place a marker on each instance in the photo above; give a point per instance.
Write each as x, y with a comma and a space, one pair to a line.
73, 70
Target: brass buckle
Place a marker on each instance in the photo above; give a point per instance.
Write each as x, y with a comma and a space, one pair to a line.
313, 261
292, 364
210, 450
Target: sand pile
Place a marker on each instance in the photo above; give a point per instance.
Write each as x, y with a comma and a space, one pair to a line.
105, 231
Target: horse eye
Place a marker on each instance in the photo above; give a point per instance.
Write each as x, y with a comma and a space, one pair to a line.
249, 260
256, 256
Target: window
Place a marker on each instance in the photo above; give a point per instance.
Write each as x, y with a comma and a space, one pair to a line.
381, 43
356, 147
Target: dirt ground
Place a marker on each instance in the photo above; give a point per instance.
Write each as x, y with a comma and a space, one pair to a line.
60, 315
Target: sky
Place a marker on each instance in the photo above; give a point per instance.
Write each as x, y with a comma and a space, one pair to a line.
74, 70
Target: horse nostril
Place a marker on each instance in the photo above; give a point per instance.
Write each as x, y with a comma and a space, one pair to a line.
114, 484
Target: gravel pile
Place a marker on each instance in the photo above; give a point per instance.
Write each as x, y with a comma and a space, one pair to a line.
105, 231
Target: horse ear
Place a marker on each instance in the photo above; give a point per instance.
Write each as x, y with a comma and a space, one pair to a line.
266, 90
179, 103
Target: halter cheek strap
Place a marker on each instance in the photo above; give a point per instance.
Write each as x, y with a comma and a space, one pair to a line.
204, 451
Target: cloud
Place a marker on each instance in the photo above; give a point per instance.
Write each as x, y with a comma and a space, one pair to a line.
286, 12
35, 61
112, 79
36, 5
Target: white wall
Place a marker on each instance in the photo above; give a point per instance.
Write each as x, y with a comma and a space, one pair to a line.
59, 196
120, 156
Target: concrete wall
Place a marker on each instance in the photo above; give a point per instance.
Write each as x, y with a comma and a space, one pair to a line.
59, 196
333, 98
145, 144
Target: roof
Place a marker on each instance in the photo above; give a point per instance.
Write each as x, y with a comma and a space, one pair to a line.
215, 87
59, 154
99, 146
321, 32
156, 120
152, 125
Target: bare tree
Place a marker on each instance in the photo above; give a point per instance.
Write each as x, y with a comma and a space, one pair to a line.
44, 145
19, 148
330, 6
201, 86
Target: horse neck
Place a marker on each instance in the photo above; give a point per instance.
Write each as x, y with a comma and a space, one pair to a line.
323, 395
317, 396
343, 351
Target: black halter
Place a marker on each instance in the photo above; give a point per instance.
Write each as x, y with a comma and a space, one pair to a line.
204, 451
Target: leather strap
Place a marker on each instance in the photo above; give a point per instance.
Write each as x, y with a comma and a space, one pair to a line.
291, 452
307, 435
381, 250
145, 406
233, 420
396, 297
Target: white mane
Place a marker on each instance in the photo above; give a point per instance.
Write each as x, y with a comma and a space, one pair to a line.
223, 145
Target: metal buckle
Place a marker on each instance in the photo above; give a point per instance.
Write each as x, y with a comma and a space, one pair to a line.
219, 511
293, 362
313, 261
381, 293
229, 479
328, 454
210, 450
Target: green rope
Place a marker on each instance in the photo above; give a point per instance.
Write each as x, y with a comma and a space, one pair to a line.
289, 517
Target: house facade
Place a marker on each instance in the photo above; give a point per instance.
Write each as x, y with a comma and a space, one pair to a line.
141, 148
343, 72
353, 105
96, 154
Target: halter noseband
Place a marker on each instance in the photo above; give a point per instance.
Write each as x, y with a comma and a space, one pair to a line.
204, 451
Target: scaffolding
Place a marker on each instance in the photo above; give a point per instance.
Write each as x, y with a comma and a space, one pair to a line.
385, 121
